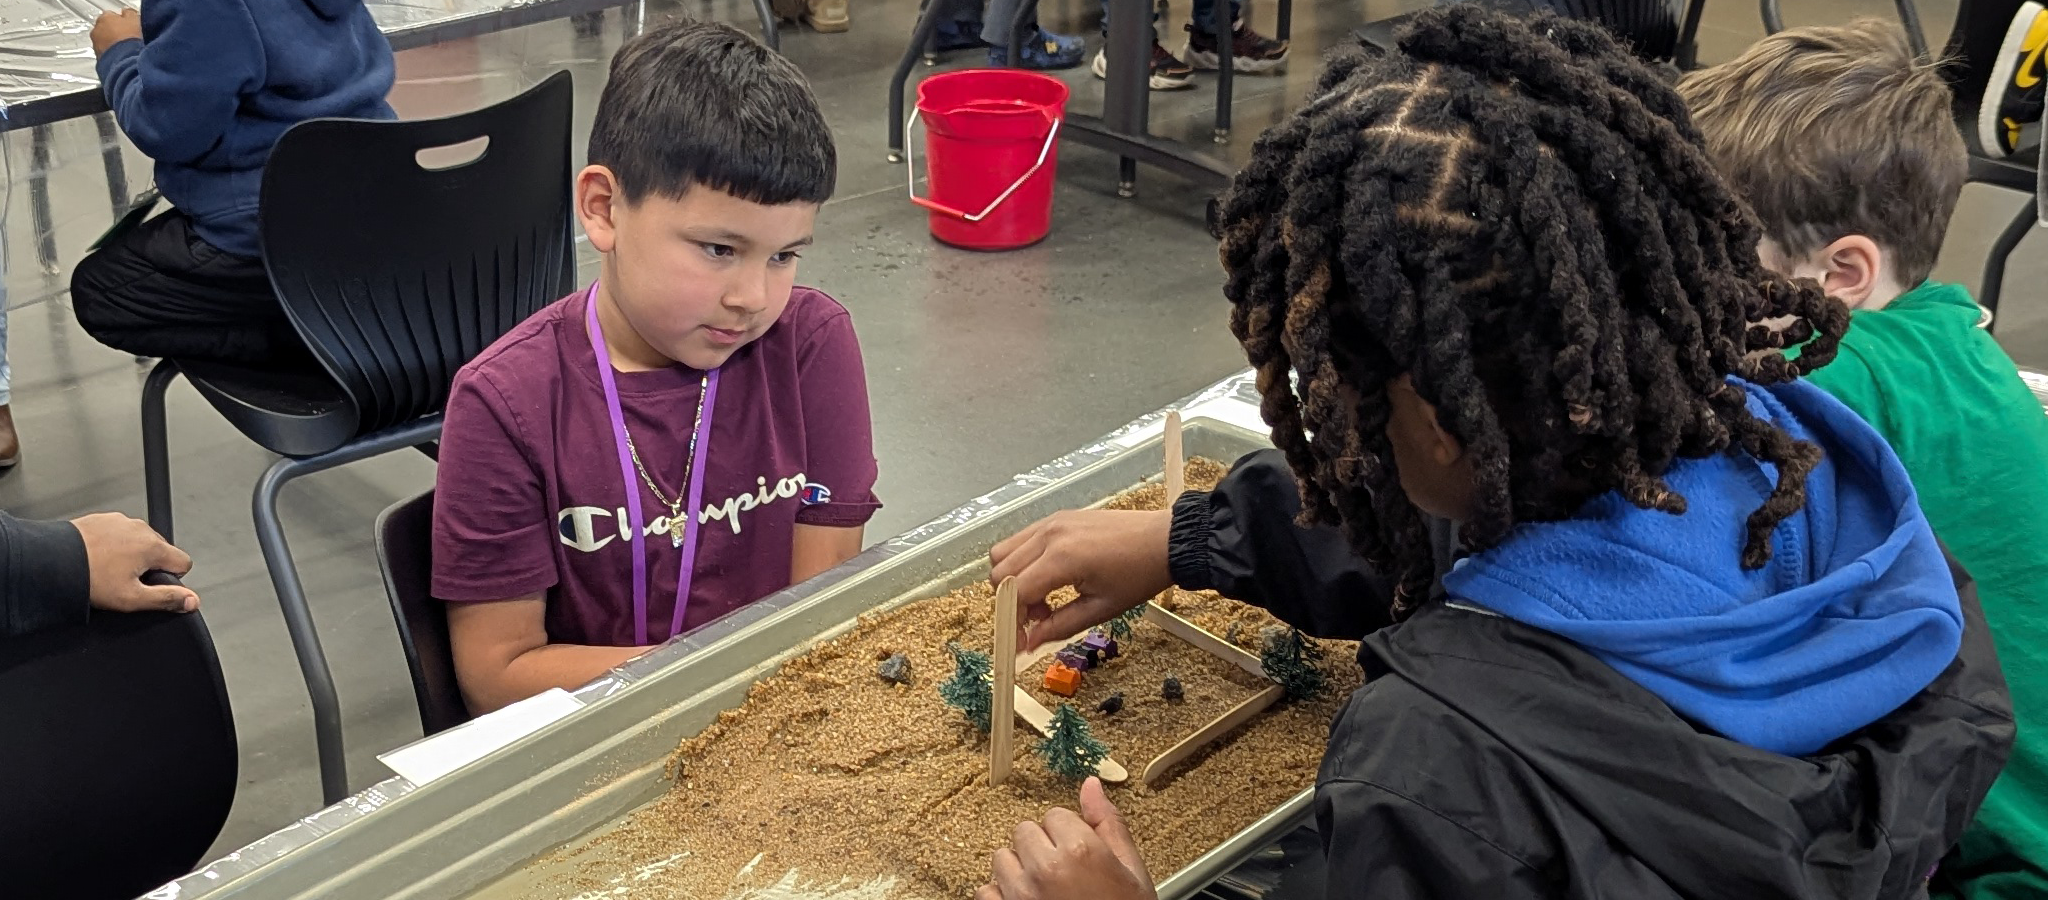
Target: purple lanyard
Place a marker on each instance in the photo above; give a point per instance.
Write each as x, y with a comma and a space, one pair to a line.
700, 446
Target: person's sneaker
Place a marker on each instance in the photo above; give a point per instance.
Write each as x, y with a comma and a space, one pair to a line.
1168, 72
2010, 116
1250, 51
1042, 49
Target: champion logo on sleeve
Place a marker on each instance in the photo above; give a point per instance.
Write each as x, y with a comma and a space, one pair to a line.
816, 494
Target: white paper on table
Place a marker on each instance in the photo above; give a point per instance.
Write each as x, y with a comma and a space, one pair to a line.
424, 760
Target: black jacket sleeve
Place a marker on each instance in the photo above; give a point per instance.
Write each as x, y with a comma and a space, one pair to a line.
44, 579
1240, 540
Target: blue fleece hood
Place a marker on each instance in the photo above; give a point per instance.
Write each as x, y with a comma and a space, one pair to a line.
1853, 615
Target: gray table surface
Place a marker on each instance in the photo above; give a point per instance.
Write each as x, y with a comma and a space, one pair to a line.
46, 58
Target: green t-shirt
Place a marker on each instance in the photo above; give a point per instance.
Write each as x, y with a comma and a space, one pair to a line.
1975, 442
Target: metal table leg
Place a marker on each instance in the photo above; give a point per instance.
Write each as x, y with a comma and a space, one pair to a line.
39, 200
1225, 29
117, 169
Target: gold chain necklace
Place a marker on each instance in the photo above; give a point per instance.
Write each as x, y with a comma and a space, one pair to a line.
676, 518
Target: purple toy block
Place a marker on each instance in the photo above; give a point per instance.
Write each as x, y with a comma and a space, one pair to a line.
1073, 659
1101, 643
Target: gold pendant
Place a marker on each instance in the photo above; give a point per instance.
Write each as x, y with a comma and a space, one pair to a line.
675, 531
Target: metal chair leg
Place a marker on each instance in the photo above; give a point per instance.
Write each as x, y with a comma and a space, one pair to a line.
156, 450
927, 23
1774, 19
1686, 55
1024, 12
2001, 250
298, 620
771, 32
291, 593
1909, 17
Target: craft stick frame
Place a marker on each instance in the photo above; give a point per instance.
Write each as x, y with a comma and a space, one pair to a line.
1002, 697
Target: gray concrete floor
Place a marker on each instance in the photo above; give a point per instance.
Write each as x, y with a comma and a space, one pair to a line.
980, 366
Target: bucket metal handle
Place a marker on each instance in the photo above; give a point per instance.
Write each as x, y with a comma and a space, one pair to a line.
910, 167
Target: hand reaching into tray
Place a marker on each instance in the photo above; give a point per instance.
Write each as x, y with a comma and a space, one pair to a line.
1115, 559
1087, 855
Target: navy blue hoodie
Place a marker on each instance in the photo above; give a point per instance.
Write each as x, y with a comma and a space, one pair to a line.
214, 83
1855, 613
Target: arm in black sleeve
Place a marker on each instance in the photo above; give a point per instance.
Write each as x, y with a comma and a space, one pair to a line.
1240, 540
44, 579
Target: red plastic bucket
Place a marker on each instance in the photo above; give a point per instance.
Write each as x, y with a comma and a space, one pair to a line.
992, 136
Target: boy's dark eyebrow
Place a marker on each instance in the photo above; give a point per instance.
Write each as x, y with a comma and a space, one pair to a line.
735, 239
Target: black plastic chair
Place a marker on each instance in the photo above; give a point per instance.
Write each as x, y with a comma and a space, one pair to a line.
396, 275
405, 554
118, 759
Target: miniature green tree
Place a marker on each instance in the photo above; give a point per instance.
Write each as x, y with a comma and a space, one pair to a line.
1290, 660
972, 686
1069, 750
1120, 627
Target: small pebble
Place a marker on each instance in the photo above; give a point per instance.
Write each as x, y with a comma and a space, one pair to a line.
1113, 705
1172, 690
1230, 634
895, 669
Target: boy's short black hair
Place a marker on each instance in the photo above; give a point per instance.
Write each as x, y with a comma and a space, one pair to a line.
701, 103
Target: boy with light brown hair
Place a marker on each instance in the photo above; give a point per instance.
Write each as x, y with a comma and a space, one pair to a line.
1846, 146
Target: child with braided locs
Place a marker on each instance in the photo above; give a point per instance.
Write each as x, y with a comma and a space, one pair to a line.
1701, 641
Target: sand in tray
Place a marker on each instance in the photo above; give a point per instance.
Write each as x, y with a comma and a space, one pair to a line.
829, 782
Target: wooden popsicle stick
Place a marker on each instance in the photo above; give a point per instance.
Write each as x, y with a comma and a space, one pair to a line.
1193, 634
1002, 699
1176, 460
1223, 725
1039, 718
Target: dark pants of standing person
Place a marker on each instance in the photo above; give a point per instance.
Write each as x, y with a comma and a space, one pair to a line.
160, 290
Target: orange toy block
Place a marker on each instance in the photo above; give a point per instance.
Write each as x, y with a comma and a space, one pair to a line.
1062, 680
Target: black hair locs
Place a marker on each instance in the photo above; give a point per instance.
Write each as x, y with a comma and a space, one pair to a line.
705, 104
1518, 215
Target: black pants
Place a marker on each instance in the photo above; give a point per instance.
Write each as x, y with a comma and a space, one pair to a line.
160, 290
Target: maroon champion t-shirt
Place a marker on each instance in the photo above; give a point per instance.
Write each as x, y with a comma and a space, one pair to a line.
529, 497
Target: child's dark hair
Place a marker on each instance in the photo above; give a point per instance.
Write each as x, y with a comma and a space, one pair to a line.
1518, 215
702, 103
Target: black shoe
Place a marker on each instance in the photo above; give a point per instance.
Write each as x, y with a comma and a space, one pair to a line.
2010, 117
1250, 51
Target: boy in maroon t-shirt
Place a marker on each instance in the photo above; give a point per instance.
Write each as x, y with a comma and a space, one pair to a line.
683, 437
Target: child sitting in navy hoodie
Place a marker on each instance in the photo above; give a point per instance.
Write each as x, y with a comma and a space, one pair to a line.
1701, 643
206, 89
